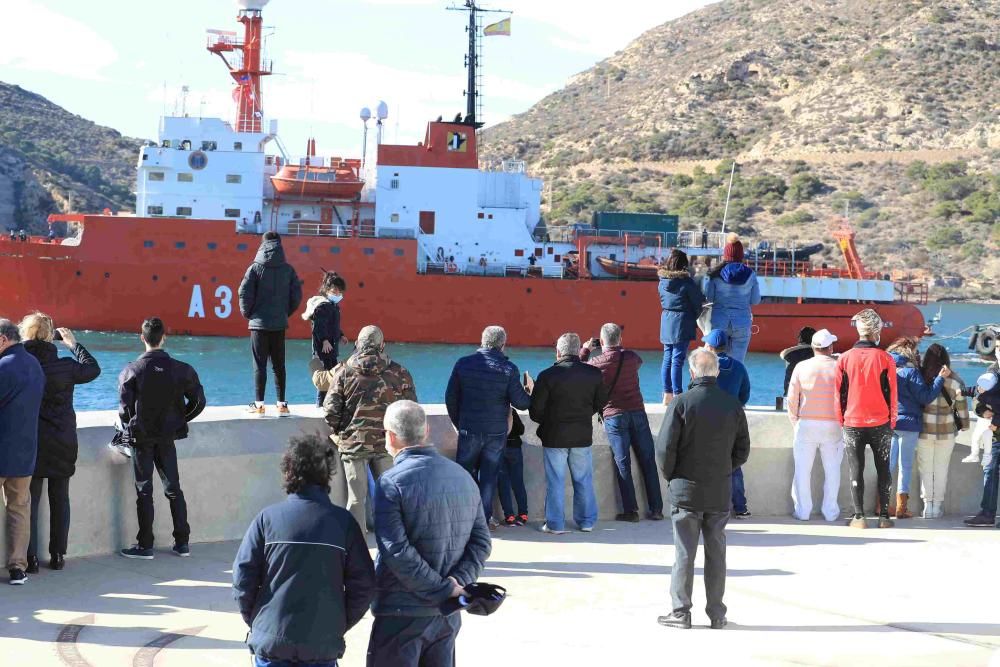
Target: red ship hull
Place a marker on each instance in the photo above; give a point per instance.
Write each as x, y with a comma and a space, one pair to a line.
188, 272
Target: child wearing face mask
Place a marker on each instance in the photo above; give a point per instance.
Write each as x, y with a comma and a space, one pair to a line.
323, 310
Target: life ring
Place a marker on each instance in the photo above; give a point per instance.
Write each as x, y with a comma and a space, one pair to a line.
986, 342
450, 267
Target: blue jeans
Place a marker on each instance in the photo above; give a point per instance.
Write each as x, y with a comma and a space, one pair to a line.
511, 478
991, 482
739, 342
480, 453
264, 662
904, 448
581, 470
672, 369
739, 491
625, 431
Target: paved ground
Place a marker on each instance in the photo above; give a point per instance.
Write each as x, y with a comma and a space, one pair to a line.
798, 594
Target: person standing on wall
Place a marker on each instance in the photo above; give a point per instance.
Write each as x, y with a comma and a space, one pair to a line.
704, 438
303, 576
732, 289
564, 401
22, 385
269, 294
481, 390
625, 422
680, 302
323, 311
57, 441
867, 409
812, 409
158, 396
432, 541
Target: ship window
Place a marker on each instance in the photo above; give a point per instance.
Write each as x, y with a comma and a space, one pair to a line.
232, 213
394, 184
427, 222
209, 145
154, 210
398, 252
148, 244
296, 215
183, 210
480, 215
549, 250
369, 251
155, 176
335, 250
212, 245
180, 245
394, 217
304, 248
185, 177
241, 247
238, 146
145, 157
538, 252
490, 216
519, 252
234, 178
557, 258
165, 144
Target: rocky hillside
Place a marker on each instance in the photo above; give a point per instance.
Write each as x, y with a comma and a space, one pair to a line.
49, 156
889, 107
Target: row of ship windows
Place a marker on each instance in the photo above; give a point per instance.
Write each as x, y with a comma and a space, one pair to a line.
188, 177
243, 247
186, 211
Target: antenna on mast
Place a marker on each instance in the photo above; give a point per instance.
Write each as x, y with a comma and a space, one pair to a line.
473, 95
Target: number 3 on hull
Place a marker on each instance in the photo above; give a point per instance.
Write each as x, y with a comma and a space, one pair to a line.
224, 295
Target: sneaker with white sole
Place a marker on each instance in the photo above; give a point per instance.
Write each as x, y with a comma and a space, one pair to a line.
255, 410
181, 550
283, 410
135, 551
546, 529
17, 576
586, 529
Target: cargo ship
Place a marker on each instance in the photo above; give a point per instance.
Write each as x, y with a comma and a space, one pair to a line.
435, 243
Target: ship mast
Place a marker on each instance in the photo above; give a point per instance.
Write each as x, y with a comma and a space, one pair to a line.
473, 99
247, 68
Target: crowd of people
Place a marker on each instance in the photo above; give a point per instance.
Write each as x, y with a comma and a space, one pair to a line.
432, 518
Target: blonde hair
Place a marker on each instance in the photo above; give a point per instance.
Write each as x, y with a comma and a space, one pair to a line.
36, 326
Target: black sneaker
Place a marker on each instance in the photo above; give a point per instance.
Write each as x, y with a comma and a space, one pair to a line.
745, 514
181, 550
678, 619
32, 565
17, 576
980, 521
630, 517
719, 623
655, 516
135, 551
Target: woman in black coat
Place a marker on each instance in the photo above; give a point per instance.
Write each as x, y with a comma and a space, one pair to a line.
57, 443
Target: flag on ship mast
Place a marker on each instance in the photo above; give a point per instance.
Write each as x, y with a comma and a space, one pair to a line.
498, 28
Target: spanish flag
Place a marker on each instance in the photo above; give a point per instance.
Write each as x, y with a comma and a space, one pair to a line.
499, 28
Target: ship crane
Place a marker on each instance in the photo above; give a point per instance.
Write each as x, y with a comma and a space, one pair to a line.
247, 67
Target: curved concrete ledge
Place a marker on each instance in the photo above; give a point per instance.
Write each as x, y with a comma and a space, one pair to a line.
229, 471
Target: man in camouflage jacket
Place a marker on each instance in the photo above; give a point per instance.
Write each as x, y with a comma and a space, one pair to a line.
358, 392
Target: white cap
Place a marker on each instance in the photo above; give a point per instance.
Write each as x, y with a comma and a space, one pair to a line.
986, 382
823, 339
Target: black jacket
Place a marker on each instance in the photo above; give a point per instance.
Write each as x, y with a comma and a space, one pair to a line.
704, 438
270, 290
516, 431
792, 356
158, 396
566, 397
303, 578
429, 525
57, 443
325, 317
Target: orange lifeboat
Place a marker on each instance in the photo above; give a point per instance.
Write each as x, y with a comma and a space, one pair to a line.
340, 180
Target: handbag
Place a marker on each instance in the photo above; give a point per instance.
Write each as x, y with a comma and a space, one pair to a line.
959, 425
705, 319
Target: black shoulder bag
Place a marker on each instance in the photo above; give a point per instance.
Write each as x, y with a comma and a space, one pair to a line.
954, 413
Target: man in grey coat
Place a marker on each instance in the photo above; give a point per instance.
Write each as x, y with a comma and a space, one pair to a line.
703, 439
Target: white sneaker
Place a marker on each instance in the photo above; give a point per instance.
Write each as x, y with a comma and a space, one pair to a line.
587, 529
546, 529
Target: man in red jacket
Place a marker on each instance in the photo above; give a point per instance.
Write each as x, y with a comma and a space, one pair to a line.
866, 394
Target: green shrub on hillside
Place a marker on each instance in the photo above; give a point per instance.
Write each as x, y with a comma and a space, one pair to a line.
799, 217
944, 237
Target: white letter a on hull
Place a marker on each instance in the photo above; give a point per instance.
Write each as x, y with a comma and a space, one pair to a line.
197, 308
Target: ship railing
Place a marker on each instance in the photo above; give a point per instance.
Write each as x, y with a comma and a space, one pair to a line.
296, 228
392, 233
683, 239
912, 292
506, 166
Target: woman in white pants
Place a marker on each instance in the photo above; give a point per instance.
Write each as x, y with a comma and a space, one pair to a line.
812, 409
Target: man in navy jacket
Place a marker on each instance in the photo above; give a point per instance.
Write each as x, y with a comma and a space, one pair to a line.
22, 384
482, 388
432, 541
303, 576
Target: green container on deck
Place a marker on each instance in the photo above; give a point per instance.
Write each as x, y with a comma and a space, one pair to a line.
616, 221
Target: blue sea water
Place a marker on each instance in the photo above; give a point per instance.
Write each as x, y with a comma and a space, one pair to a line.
225, 368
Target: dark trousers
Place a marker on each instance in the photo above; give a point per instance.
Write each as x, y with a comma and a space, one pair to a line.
627, 431
991, 482
879, 438
711, 527
511, 478
162, 455
739, 491
266, 345
329, 361
480, 454
414, 641
58, 488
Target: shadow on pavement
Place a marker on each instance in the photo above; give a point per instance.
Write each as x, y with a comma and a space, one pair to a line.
576, 570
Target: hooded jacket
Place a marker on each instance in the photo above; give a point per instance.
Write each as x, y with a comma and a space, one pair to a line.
270, 290
912, 393
57, 442
358, 392
732, 289
733, 378
325, 317
22, 385
681, 302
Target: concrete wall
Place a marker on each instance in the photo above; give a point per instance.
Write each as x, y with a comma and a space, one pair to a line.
229, 471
